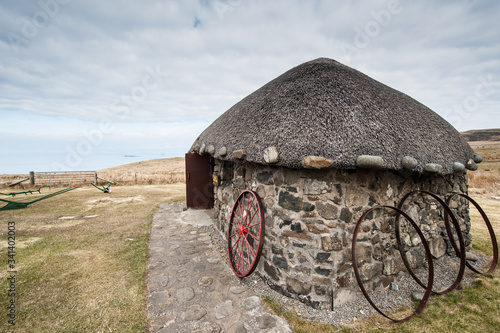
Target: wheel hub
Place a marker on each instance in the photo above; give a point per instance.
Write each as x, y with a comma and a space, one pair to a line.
243, 230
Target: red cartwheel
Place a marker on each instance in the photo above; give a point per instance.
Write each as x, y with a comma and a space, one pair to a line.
245, 234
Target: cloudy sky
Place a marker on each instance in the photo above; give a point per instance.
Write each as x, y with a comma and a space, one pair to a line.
91, 84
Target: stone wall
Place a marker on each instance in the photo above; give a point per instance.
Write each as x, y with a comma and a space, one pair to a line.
310, 216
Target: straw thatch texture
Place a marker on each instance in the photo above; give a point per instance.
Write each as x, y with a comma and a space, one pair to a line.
326, 109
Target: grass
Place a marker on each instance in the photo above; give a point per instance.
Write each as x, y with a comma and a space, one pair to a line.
487, 176
159, 171
471, 309
84, 274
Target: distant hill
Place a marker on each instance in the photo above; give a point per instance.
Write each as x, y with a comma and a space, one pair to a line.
159, 171
492, 134
157, 166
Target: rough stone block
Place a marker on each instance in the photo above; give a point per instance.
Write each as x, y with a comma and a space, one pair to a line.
290, 189
271, 155
433, 167
323, 271
297, 227
458, 167
280, 262
368, 272
290, 177
329, 243
471, 165
313, 228
297, 287
289, 201
299, 235
370, 162
276, 250
210, 149
320, 290
222, 151
345, 215
265, 177
437, 247
271, 271
389, 267
302, 259
344, 281
355, 197
240, 154
314, 186
316, 162
409, 163
322, 256
308, 207
364, 252
327, 210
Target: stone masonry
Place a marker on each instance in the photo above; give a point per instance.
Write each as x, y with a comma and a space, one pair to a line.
310, 216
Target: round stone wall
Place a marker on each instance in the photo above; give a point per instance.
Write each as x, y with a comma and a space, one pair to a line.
310, 216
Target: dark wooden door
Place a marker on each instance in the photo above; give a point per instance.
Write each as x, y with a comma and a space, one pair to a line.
199, 181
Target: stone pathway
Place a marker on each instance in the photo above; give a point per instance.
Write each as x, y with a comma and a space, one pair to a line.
191, 288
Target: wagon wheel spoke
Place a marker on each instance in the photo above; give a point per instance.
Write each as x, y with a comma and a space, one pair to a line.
236, 243
247, 221
248, 209
250, 221
255, 237
239, 221
250, 248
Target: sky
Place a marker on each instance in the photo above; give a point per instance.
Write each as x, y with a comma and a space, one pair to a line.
86, 85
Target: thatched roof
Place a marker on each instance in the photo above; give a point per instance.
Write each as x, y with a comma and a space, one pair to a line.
325, 109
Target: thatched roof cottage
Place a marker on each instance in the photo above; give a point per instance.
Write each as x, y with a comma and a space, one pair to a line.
319, 145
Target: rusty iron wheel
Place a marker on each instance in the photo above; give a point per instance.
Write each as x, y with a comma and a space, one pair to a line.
493, 238
428, 255
245, 234
449, 232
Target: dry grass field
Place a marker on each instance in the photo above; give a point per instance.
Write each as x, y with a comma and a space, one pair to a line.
487, 177
81, 259
160, 171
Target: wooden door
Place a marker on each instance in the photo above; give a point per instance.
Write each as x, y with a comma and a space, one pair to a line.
199, 181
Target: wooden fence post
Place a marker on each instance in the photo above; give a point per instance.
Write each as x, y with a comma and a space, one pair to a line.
95, 177
32, 178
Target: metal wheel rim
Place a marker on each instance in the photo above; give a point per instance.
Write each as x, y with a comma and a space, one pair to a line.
245, 234
493, 238
459, 252
428, 255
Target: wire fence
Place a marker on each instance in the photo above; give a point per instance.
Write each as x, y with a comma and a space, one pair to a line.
63, 178
53, 178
